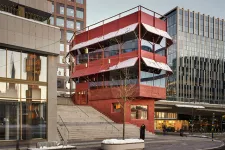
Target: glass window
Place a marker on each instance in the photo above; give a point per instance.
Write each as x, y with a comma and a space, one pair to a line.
25, 66
60, 83
67, 72
69, 35
70, 23
52, 20
79, 25
67, 85
9, 110
61, 58
116, 107
10, 90
3, 63
70, 11
61, 47
53, 7
80, 13
60, 9
60, 72
60, 21
62, 35
67, 48
80, 1
42, 71
139, 112
13, 64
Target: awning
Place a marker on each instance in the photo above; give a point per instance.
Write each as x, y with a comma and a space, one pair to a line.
189, 106
124, 64
86, 71
150, 63
110, 35
104, 68
158, 65
157, 31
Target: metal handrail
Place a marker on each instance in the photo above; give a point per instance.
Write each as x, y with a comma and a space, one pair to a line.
103, 21
64, 124
110, 123
82, 111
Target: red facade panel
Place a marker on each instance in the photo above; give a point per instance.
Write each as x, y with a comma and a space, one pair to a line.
160, 24
152, 21
95, 63
146, 54
159, 58
97, 32
152, 92
106, 107
126, 56
81, 86
107, 28
147, 19
81, 38
128, 20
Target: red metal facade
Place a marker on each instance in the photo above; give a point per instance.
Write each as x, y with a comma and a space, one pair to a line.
102, 98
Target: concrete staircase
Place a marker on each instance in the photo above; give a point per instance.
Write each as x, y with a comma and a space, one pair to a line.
86, 123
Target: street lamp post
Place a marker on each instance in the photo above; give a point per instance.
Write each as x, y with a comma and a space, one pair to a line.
213, 124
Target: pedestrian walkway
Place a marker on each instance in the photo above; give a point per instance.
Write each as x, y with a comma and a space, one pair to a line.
167, 142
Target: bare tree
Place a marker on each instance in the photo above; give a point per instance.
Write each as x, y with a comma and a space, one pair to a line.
128, 90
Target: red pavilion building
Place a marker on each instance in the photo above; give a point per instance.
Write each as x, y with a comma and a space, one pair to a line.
127, 50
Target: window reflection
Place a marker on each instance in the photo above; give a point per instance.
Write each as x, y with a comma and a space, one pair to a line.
60, 9
80, 13
69, 35
139, 112
60, 21
70, 11
2, 63
13, 64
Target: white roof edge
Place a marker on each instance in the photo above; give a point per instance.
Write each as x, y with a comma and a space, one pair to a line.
31, 20
189, 106
102, 38
157, 31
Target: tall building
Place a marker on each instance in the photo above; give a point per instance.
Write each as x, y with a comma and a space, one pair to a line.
197, 58
121, 64
69, 16
28, 55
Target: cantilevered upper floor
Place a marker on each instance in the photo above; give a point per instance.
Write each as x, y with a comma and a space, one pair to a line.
135, 41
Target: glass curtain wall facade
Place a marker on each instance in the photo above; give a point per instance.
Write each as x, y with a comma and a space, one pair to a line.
197, 57
70, 16
23, 95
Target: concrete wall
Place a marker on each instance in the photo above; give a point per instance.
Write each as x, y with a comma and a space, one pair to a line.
29, 34
52, 98
42, 5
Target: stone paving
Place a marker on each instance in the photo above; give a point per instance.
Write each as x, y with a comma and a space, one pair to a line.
167, 143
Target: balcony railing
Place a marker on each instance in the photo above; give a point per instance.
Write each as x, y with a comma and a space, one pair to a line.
112, 83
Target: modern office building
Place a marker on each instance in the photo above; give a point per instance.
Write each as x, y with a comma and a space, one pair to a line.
196, 88
69, 16
28, 64
121, 64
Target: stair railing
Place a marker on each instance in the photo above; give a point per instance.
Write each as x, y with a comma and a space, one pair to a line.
64, 131
110, 123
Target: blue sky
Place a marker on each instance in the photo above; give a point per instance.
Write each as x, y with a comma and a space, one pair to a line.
98, 10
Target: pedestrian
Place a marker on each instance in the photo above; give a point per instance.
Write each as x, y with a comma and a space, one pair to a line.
164, 129
181, 132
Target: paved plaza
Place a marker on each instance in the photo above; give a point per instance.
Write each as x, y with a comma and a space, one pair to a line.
166, 143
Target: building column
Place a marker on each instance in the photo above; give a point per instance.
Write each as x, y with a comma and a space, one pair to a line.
6, 122
18, 121
52, 99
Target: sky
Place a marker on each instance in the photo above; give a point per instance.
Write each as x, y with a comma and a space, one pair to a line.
98, 10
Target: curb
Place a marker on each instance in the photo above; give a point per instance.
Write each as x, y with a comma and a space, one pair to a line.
216, 147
